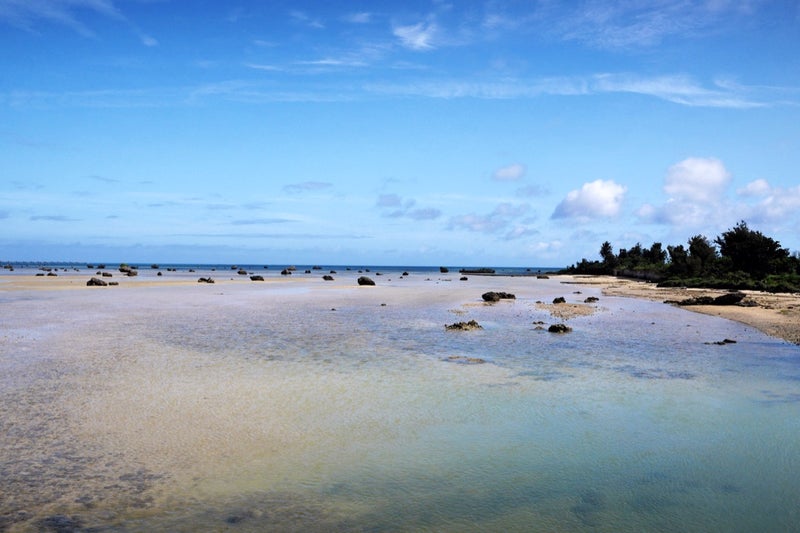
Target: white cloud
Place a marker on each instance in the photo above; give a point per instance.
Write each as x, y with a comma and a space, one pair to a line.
697, 180
759, 187
596, 199
510, 173
417, 36
778, 204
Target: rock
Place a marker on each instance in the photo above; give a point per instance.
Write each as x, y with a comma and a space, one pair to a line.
497, 296
113, 283
559, 328
242, 272
364, 280
96, 282
591, 299
286, 272
731, 298
316, 267
159, 274
405, 273
464, 326
542, 276
154, 266
463, 278
256, 278
205, 280
723, 342
326, 277
132, 273
444, 270
52, 274
464, 360
307, 272
559, 300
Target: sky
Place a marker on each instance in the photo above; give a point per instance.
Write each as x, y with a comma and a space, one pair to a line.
422, 132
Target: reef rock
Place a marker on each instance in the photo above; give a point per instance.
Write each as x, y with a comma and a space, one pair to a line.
492, 296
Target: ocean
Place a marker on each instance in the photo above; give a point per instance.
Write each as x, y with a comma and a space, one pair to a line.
303, 405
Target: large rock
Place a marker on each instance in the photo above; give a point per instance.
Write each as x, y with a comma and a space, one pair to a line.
96, 282
559, 328
364, 280
493, 296
256, 278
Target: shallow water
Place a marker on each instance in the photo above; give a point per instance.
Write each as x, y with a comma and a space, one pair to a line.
302, 407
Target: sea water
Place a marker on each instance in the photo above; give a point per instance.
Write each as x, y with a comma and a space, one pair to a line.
309, 407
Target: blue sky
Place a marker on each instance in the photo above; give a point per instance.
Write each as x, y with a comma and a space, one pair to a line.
419, 132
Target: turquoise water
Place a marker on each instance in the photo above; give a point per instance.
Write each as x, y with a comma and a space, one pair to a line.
236, 408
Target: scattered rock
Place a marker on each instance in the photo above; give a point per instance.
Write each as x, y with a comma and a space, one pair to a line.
463, 278
559, 328
464, 326
492, 296
444, 270
591, 299
132, 273
286, 272
559, 300
52, 274
242, 272
205, 280
256, 278
542, 276
159, 274
154, 266
96, 282
326, 277
364, 280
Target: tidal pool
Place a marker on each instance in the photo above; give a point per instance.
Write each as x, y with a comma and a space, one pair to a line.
242, 408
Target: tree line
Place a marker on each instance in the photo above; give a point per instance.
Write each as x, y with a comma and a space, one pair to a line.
740, 258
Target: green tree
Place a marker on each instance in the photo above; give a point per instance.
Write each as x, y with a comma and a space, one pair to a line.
702, 255
752, 252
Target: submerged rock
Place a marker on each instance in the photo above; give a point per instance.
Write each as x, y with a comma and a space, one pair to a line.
464, 360
464, 326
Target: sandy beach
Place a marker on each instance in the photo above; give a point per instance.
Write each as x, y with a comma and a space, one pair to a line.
777, 315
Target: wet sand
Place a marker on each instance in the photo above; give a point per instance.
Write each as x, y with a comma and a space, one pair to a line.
777, 315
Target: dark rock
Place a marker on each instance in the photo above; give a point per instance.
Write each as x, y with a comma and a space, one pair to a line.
132, 273
286, 272
52, 274
591, 299
464, 360
464, 326
154, 266
242, 272
463, 278
723, 342
101, 267
444, 270
96, 282
405, 273
307, 272
364, 280
559, 328
542, 276
113, 283
205, 280
315, 267
326, 277
559, 300
731, 298
497, 296
60, 523
159, 274
332, 272
256, 278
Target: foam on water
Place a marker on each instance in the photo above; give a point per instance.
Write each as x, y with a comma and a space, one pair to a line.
321, 409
